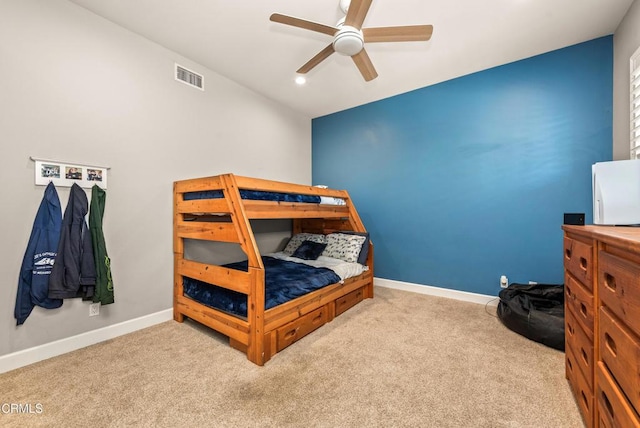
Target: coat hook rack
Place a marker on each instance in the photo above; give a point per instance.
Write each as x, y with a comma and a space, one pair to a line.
66, 174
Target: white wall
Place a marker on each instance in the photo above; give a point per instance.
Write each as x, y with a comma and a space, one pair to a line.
77, 88
626, 40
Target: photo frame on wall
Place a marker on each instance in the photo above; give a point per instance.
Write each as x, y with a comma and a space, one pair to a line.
66, 174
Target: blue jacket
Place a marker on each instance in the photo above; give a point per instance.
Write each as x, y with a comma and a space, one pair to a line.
74, 273
33, 284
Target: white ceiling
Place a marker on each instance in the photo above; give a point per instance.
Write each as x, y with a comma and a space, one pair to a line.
236, 39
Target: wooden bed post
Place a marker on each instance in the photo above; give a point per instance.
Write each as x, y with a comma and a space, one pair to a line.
255, 299
354, 218
255, 313
178, 255
368, 290
356, 224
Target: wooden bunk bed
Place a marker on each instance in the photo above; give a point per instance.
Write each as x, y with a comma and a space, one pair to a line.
226, 218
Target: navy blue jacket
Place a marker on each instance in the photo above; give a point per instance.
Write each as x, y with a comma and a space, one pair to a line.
74, 273
33, 284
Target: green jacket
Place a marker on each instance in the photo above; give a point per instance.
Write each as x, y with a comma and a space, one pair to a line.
104, 284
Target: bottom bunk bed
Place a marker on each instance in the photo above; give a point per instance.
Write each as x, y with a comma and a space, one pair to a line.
268, 302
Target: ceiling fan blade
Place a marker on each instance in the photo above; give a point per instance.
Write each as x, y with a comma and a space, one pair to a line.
364, 64
357, 11
303, 23
321, 56
409, 33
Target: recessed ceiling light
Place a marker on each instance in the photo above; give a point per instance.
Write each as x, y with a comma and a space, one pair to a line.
301, 80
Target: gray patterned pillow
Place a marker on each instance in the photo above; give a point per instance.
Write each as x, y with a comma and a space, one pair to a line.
299, 238
344, 247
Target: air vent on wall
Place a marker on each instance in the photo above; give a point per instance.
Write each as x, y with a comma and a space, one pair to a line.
189, 77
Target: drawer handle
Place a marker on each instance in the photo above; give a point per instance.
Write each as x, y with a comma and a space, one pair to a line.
569, 293
317, 319
611, 344
570, 328
583, 263
584, 398
610, 281
607, 404
291, 333
583, 309
567, 253
570, 364
584, 356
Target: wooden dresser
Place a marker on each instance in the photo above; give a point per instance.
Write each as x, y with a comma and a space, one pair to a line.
602, 322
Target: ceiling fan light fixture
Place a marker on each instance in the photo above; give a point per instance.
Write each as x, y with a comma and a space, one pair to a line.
348, 41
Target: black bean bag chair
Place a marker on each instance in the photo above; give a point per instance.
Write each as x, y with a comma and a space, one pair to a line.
535, 311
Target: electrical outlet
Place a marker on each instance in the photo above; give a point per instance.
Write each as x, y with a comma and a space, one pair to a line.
94, 309
504, 281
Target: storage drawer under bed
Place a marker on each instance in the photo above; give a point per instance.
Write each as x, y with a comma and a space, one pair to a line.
297, 329
348, 301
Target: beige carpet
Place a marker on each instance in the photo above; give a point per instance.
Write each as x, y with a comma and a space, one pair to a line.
401, 359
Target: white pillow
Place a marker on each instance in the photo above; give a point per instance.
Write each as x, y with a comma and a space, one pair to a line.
299, 238
344, 247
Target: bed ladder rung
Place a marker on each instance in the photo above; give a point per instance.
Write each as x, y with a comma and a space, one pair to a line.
217, 206
231, 279
226, 324
199, 184
211, 231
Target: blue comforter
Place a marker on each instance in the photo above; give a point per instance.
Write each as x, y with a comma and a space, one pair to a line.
284, 281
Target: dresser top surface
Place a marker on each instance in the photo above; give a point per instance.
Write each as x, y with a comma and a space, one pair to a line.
627, 236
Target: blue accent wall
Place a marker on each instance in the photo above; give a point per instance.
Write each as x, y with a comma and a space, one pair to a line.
466, 180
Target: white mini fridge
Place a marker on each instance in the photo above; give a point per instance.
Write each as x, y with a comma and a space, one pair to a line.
616, 192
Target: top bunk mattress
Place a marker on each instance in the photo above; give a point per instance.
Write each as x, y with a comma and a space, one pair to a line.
255, 195
259, 195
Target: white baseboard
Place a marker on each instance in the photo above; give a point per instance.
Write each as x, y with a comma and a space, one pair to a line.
62, 346
465, 296
42, 352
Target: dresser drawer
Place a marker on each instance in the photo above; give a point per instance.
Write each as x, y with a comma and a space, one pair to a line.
570, 365
580, 301
620, 351
580, 345
583, 395
348, 301
619, 288
578, 259
299, 328
613, 408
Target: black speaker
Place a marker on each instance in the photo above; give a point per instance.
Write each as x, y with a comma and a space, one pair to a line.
574, 218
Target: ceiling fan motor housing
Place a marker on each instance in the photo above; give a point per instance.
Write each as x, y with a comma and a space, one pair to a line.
348, 41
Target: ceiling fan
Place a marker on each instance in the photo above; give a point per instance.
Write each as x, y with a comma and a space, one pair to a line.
349, 37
